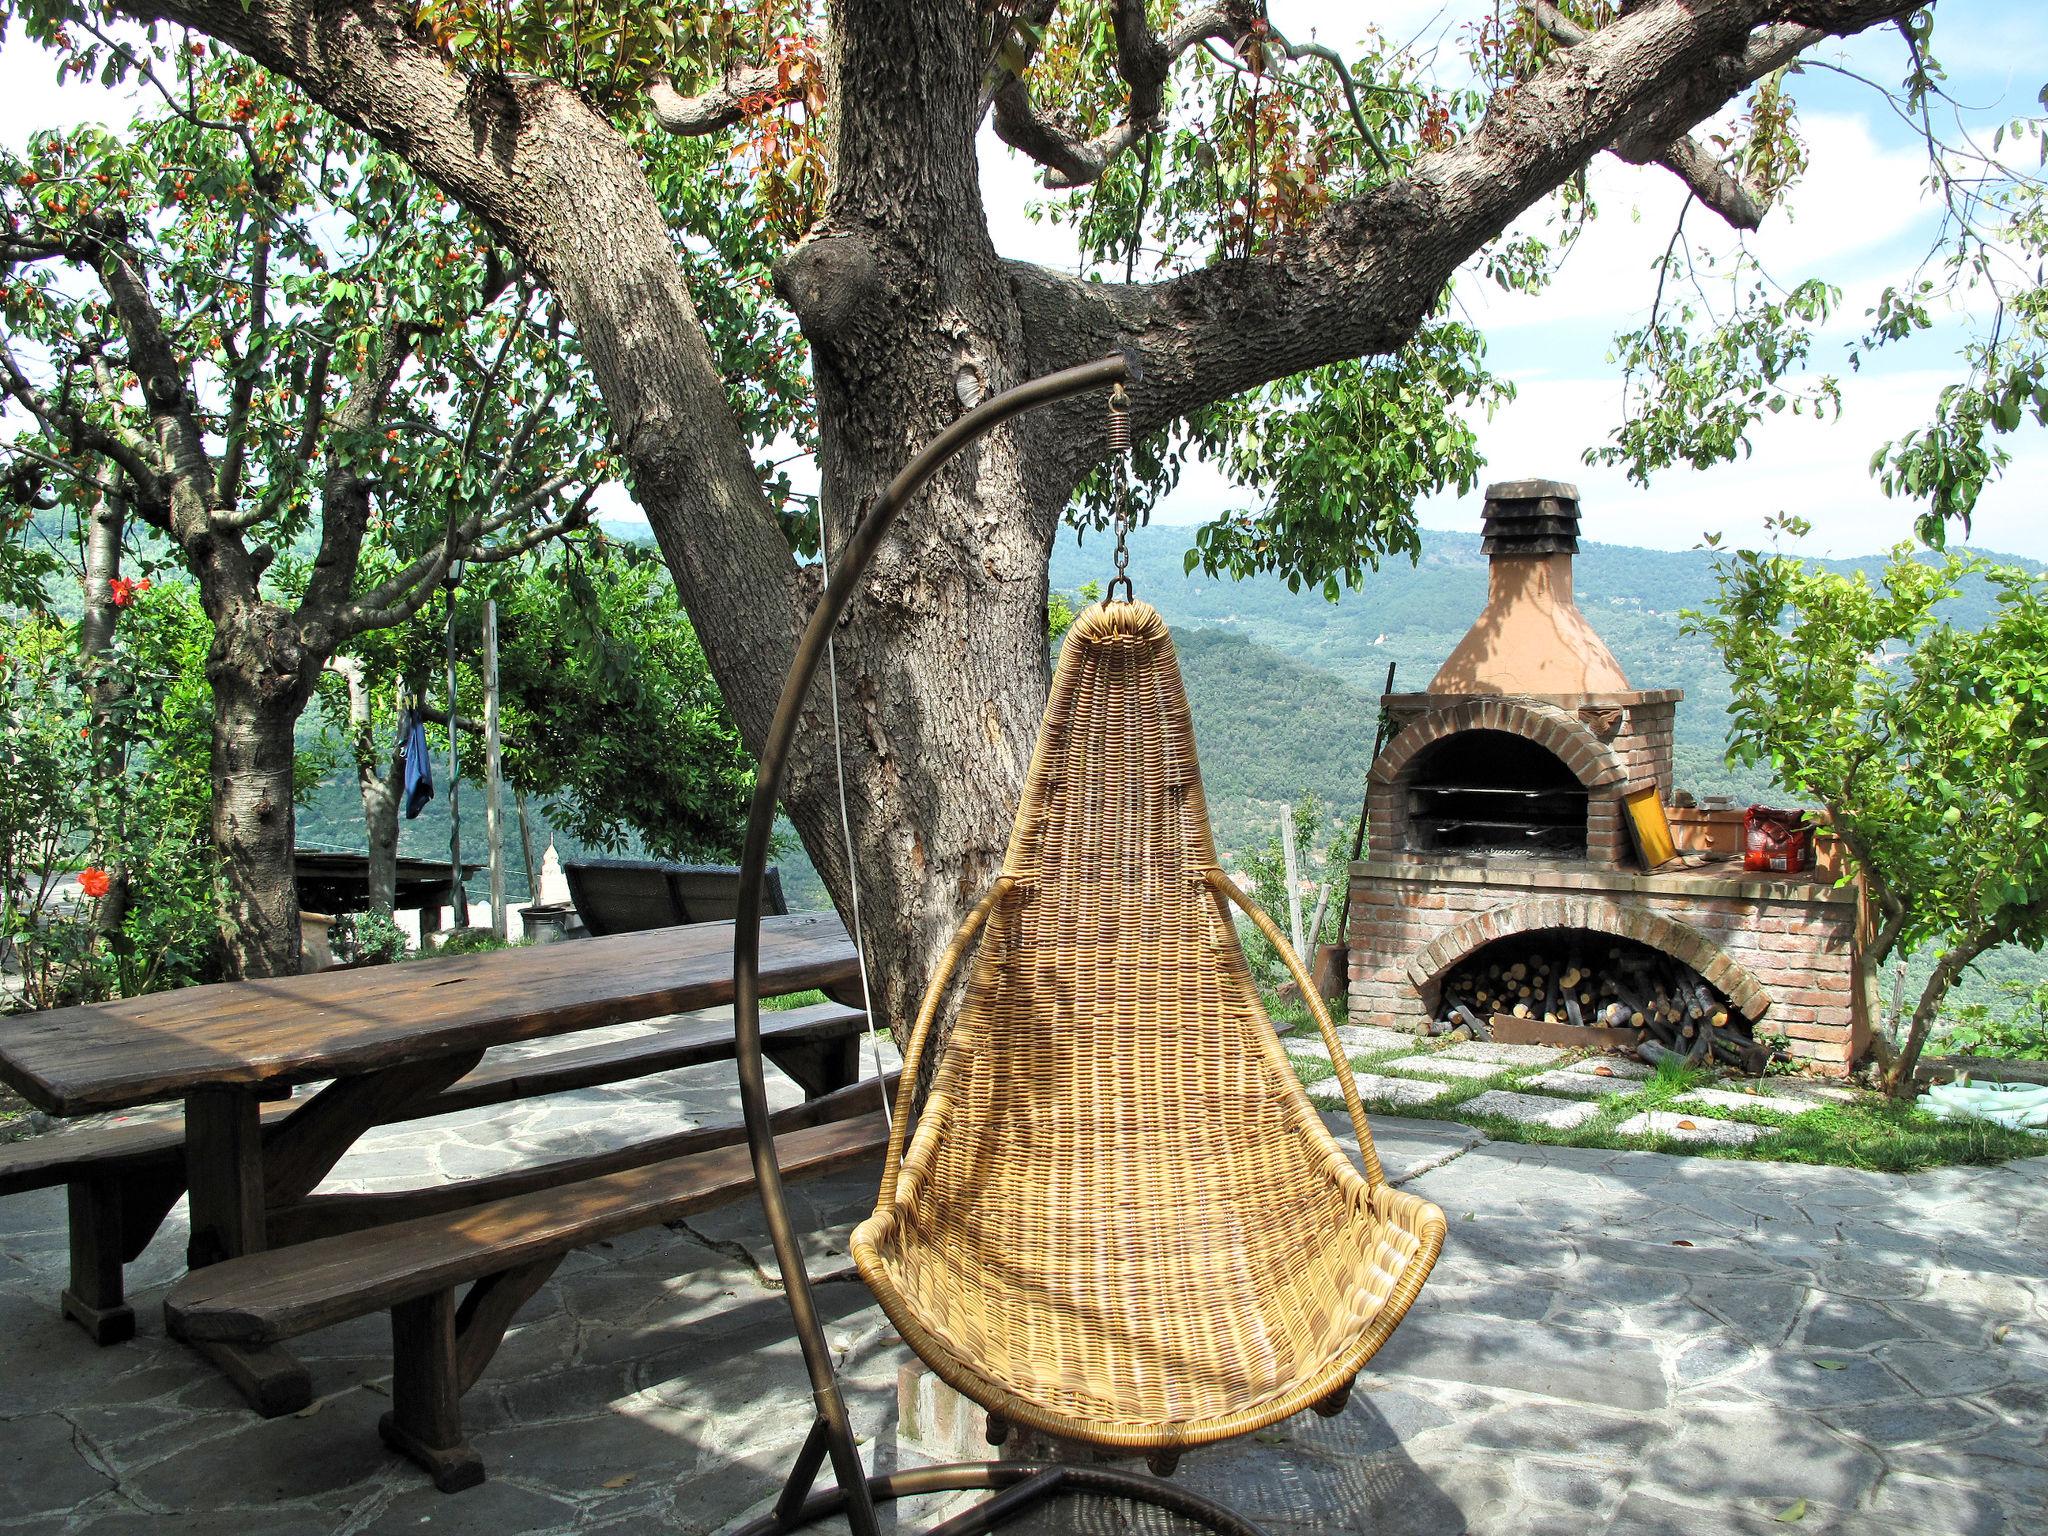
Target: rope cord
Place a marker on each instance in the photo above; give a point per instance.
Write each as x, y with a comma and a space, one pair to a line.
860, 948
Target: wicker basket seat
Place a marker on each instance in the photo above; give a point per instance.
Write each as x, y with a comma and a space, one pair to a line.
1118, 1219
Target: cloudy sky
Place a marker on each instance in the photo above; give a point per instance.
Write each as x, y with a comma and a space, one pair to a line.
1860, 219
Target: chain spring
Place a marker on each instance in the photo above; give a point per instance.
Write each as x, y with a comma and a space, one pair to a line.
1120, 470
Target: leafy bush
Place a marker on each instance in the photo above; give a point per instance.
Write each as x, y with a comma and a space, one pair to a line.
2020, 1034
1320, 845
368, 937
125, 796
469, 941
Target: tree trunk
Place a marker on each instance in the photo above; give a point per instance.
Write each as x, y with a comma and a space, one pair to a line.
380, 780
381, 795
1898, 1081
104, 692
262, 672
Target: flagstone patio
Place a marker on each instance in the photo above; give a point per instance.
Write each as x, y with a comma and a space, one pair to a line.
1614, 1342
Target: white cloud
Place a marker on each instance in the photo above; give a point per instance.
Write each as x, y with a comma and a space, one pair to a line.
1818, 471
31, 98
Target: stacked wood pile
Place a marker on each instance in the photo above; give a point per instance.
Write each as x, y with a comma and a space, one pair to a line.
1586, 991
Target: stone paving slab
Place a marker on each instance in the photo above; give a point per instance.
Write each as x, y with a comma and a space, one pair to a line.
1308, 1050
1775, 1103
1505, 1055
1531, 1109
1372, 1086
1614, 1066
1440, 1065
1612, 1344
1679, 1127
1566, 1080
1368, 1038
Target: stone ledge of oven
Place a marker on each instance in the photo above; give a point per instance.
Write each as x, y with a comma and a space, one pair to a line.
1537, 874
1635, 698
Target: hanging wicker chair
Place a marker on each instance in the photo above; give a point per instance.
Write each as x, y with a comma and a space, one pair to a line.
1119, 1220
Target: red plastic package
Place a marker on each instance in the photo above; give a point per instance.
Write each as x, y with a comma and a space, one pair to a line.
1776, 840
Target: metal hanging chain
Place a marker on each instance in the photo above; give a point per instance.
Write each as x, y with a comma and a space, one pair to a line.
1120, 472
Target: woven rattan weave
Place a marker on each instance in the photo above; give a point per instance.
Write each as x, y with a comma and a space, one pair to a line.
1119, 1220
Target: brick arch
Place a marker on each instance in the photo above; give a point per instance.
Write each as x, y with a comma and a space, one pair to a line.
1559, 731
1679, 940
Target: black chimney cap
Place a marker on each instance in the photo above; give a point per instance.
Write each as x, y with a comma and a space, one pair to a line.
1531, 517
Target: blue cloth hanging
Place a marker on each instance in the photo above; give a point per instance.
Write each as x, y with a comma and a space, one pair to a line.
419, 768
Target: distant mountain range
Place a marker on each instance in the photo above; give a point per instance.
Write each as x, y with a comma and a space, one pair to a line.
1285, 685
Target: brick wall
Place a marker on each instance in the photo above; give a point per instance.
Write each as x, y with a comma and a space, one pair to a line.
1782, 950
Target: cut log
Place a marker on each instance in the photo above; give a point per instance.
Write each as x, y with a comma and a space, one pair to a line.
1509, 1030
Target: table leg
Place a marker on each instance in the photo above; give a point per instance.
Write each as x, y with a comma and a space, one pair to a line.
224, 1176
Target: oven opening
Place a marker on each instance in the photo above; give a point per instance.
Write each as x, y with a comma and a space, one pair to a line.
1493, 792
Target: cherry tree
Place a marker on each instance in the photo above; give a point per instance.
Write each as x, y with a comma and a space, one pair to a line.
1274, 226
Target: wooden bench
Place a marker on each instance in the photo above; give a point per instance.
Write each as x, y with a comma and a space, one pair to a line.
122, 1180
632, 895
503, 1250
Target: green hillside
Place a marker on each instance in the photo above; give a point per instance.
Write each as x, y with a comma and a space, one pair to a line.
1413, 615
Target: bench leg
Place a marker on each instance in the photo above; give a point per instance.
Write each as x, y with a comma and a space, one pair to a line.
94, 1300
821, 1066
112, 1219
269, 1377
425, 1421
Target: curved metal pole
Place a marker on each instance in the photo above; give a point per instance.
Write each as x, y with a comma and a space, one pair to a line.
854, 559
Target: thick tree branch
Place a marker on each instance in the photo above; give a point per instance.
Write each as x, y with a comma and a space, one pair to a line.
743, 90
80, 432
1363, 278
347, 484
248, 369
188, 477
1143, 60
406, 593
1684, 156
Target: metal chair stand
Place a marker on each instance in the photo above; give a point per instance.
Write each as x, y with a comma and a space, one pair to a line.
1014, 1487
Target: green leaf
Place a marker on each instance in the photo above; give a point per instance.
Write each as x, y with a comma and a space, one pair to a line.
1791, 1513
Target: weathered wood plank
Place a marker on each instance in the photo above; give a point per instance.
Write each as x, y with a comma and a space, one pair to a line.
280, 1294
94, 1299
425, 1421
690, 1043
298, 1154
487, 1311
42, 1162
319, 1216
142, 1050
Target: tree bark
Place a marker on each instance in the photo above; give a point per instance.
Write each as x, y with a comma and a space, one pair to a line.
262, 675
104, 691
380, 777
1948, 970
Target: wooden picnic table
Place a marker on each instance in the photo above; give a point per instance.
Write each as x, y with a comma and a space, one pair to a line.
382, 1038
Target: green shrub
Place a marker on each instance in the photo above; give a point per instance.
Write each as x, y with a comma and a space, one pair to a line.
369, 937
2016, 1033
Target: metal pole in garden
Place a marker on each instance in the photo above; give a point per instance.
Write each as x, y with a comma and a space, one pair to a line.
494, 780
458, 893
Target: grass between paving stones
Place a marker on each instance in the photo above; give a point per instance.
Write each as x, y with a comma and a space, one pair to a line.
1869, 1132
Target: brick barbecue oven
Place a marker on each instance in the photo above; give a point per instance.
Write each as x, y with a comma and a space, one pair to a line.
1497, 833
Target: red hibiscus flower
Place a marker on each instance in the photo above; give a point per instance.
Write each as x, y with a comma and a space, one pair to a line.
94, 882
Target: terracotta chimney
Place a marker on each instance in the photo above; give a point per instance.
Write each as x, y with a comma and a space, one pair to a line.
1531, 638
